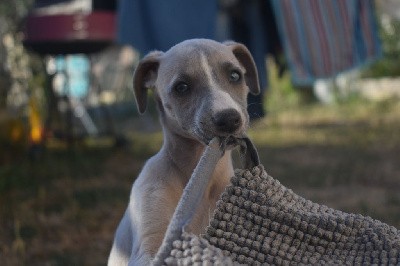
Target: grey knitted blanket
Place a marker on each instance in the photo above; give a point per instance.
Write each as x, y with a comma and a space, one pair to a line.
259, 221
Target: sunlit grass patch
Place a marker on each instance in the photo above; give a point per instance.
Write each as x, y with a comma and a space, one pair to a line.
342, 124
145, 144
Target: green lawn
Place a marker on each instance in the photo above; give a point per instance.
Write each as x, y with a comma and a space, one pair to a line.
63, 209
345, 156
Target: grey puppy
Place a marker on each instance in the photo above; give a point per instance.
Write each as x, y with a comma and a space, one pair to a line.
201, 88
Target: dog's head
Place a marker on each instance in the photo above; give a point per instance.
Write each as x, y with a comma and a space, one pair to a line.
200, 86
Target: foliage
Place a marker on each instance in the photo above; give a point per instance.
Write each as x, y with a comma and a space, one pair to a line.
388, 65
14, 62
281, 93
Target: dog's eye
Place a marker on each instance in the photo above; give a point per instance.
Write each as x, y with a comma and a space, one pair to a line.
181, 87
235, 76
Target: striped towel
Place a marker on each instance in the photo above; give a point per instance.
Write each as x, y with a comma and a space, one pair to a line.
322, 38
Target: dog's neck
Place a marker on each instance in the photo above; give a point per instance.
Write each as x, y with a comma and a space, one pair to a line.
184, 154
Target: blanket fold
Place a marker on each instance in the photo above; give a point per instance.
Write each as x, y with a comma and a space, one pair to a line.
260, 221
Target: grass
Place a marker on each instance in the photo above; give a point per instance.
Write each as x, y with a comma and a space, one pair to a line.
63, 208
344, 156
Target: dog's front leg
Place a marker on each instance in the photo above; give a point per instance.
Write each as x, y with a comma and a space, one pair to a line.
150, 218
122, 246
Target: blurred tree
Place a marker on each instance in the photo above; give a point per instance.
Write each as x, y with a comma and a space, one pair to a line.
14, 62
21, 74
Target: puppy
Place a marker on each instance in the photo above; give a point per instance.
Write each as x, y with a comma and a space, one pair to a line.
201, 88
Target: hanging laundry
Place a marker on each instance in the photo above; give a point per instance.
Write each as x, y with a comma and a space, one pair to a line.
324, 38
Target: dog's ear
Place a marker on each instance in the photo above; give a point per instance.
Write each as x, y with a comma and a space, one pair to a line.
244, 57
145, 77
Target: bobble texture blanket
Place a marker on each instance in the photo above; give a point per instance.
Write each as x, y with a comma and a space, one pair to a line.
260, 221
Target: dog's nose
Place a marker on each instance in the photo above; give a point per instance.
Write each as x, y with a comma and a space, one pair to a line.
227, 121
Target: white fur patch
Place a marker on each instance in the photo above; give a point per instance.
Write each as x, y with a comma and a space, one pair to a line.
221, 99
207, 69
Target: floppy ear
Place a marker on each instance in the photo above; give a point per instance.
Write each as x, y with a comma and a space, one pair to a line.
244, 57
145, 77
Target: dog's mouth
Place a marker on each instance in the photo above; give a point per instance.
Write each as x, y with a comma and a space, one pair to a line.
201, 136
230, 140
